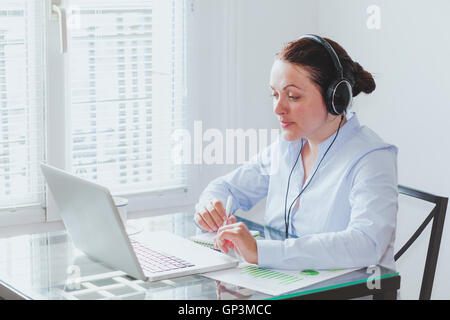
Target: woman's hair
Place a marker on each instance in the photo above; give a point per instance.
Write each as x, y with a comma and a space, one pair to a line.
316, 59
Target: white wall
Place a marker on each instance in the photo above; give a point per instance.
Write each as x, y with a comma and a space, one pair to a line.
409, 57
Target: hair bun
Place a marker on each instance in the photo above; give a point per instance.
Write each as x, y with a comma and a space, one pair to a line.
364, 81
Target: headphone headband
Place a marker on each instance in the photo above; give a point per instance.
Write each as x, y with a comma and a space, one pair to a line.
331, 52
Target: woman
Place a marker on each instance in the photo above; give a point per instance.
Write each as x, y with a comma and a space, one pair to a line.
335, 183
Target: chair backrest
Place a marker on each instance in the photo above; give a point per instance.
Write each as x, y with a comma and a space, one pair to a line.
437, 214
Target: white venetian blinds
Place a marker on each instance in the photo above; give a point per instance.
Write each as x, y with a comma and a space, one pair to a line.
21, 102
127, 91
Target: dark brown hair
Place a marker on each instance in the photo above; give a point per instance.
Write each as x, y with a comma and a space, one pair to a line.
316, 59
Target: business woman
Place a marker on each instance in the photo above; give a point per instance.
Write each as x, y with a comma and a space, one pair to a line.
330, 183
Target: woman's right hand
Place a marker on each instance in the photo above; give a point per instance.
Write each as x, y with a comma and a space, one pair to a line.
211, 217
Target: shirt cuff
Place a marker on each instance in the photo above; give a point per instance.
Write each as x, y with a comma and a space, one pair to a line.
270, 252
195, 222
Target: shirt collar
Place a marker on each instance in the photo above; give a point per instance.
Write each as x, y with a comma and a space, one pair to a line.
346, 130
344, 133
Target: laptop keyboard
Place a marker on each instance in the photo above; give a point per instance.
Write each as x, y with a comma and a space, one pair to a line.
156, 261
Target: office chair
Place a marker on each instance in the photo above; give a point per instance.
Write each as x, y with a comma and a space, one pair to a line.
438, 216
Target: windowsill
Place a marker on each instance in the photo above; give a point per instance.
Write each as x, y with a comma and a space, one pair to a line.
43, 227
32, 228
22, 216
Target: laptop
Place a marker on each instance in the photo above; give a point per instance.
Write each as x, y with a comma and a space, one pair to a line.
94, 224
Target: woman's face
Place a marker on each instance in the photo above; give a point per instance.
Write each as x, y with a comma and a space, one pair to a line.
297, 101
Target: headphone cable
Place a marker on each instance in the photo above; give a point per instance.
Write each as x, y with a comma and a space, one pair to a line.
286, 222
289, 180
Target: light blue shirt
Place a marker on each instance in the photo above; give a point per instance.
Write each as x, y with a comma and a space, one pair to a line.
346, 217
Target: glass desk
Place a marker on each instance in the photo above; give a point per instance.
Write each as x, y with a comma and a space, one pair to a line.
48, 266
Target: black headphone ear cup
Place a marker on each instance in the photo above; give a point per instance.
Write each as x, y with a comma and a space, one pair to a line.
339, 96
329, 97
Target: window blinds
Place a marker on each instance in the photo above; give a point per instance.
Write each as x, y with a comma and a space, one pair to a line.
21, 102
127, 92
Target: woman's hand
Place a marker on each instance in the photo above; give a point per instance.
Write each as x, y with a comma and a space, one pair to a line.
237, 236
211, 217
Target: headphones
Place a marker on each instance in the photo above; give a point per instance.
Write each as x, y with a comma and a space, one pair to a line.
338, 98
339, 94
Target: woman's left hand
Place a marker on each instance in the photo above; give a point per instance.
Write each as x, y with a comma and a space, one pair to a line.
237, 236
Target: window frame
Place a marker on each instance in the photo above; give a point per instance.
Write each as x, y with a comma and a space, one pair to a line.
57, 133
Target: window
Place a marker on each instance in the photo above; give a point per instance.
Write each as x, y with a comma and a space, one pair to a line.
121, 84
21, 104
127, 92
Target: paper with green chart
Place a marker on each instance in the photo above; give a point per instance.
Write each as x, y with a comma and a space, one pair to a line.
273, 281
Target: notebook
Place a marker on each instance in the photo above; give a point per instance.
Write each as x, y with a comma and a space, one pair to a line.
207, 239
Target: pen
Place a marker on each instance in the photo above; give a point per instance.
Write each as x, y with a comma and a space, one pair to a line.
228, 209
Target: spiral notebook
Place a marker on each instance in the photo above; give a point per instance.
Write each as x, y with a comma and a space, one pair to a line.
207, 239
